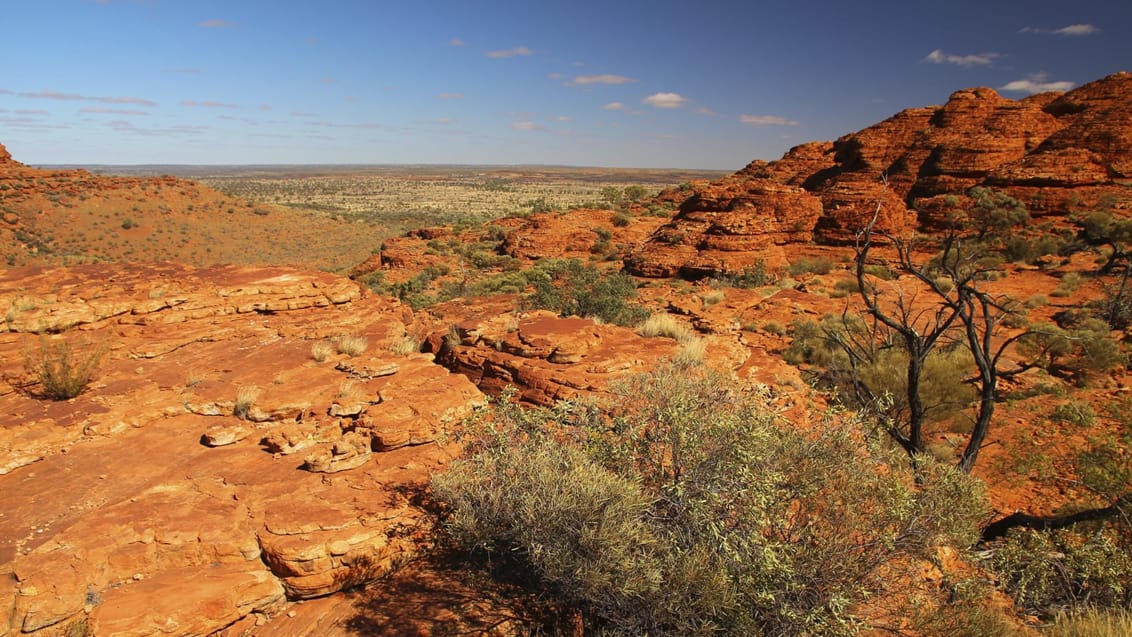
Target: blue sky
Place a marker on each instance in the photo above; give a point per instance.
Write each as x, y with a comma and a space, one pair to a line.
708, 84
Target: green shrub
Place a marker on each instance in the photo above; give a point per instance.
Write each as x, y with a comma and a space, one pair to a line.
570, 287
1051, 571
820, 265
63, 369
686, 508
1074, 413
754, 276
622, 219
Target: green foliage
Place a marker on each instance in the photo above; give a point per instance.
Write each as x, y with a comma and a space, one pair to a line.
877, 372
540, 205
62, 368
635, 192
687, 509
622, 219
1074, 412
571, 288
753, 276
1050, 571
995, 213
612, 195
1080, 349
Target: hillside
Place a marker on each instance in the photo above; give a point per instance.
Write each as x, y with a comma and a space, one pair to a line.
62, 217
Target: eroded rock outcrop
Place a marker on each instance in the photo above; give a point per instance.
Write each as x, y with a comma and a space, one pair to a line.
204, 475
1059, 153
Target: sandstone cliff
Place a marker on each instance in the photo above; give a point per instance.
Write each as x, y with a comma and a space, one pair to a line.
1060, 154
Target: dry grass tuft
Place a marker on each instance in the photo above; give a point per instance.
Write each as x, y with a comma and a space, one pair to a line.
245, 399
322, 350
1093, 623
692, 352
667, 326
405, 345
351, 344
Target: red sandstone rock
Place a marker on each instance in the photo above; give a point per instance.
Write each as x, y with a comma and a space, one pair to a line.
114, 512
1059, 154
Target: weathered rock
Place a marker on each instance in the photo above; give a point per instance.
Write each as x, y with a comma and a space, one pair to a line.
1058, 154
147, 510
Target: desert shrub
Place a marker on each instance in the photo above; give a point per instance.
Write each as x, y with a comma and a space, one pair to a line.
1074, 412
774, 327
63, 368
995, 213
684, 507
636, 192
844, 287
820, 265
1115, 307
570, 287
713, 297
754, 276
1051, 571
880, 372
1083, 348
622, 219
1070, 281
351, 344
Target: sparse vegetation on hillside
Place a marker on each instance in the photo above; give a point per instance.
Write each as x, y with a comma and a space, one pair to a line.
688, 509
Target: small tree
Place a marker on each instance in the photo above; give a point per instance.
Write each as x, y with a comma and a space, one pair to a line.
957, 308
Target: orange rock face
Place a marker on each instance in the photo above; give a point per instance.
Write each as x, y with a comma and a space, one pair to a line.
225, 458
1059, 154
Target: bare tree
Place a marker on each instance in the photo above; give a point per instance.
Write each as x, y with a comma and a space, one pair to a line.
959, 309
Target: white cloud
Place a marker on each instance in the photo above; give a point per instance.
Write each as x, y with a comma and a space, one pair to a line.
509, 53
215, 24
450, 96
703, 110
562, 118
1077, 29
555, 76
605, 78
527, 125
1072, 29
666, 100
980, 59
1036, 83
456, 42
614, 106
767, 120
